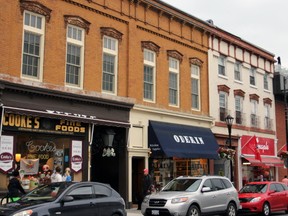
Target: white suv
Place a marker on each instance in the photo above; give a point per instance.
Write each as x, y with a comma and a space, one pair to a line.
193, 196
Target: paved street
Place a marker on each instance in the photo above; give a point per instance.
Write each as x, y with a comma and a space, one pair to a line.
133, 212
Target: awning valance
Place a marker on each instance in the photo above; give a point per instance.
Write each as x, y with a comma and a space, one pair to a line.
265, 161
174, 140
66, 114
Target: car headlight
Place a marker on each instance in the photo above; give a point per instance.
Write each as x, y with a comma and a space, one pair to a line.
179, 200
256, 199
146, 199
24, 213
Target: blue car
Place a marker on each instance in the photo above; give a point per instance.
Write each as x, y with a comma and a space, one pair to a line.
68, 199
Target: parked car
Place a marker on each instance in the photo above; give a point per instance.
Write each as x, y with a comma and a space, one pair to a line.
193, 196
68, 199
264, 197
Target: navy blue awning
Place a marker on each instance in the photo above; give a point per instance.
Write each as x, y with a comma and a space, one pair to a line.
182, 141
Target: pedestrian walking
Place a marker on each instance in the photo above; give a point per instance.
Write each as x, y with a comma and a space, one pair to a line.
146, 187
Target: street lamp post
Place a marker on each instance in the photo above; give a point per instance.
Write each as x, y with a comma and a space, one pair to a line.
229, 121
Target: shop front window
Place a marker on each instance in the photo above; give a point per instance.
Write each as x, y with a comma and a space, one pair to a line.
164, 169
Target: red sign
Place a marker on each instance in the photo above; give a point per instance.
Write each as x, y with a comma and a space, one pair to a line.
251, 144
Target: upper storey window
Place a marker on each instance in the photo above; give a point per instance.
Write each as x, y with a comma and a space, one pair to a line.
253, 76
74, 56
237, 71
195, 87
265, 80
76, 29
221, 65
33, 45
173, 81
149, 75
110, 59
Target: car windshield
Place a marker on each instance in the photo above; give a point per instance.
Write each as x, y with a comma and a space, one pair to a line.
254, 188
189, 185
46, 192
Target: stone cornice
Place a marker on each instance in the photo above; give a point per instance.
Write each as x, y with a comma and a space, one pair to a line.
175, 54
150, 46
77, 21
196, 61
111, 32
35, 7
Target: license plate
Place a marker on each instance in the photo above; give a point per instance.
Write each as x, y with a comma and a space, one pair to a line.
155, 212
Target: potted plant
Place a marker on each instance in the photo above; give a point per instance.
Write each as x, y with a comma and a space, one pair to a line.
226, 153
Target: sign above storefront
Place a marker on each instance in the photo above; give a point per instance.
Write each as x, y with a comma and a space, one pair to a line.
21, 122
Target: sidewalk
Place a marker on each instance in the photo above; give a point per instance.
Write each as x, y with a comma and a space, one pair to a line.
133, 212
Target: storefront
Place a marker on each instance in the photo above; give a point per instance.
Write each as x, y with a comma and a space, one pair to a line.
180, 150
259, 159
44, 127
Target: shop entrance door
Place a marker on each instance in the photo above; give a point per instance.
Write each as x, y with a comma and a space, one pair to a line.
138, 165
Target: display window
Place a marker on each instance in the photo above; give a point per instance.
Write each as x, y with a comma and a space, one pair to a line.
165, 169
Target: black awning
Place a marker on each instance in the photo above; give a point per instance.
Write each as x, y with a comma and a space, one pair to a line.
79, 116
173, 140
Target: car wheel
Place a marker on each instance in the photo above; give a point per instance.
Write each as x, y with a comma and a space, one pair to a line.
231, 210
266, 209
194, 211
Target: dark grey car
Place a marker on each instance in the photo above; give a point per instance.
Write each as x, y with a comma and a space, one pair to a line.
68, 199
193, 196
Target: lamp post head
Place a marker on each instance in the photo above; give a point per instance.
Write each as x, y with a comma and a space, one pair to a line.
229, 120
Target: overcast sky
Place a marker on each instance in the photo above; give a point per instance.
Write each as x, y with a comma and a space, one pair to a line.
263, 23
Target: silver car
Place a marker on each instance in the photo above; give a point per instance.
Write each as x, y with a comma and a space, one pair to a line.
193, 196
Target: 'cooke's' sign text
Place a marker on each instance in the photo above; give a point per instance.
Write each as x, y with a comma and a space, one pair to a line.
38, 124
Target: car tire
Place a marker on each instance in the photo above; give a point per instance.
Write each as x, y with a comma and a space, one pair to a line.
266, 209
231, 210
193, 211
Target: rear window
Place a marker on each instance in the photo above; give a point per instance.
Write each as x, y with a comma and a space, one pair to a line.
227, 183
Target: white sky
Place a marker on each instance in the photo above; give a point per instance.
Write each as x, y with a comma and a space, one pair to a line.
263, 23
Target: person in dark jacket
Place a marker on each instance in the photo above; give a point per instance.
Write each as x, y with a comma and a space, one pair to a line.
15, 189
146, 187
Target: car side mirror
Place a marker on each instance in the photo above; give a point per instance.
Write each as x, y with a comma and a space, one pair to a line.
271, 192
68, 199
206, 189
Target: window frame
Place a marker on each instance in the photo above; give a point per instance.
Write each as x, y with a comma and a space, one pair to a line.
239, 109
254, 111
38, 32
109, 51
175, 89
222, 115
237, 71
222, 65
266, 81
252, 76
195, 76
77, 44
151, 63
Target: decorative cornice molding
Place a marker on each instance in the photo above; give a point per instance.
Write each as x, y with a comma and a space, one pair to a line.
196, 61
77, 21
254, 97
175, 54
151, 46
223, 88
35, 7
267, 101
239, 92
111, 32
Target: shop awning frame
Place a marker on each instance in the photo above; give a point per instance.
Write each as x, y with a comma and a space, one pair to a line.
182, 141
81, 117
265, 161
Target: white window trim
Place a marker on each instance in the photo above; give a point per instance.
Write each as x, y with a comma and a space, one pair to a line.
177, 72
193, 76
40, 32
151, 64
114, 53
77, 43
